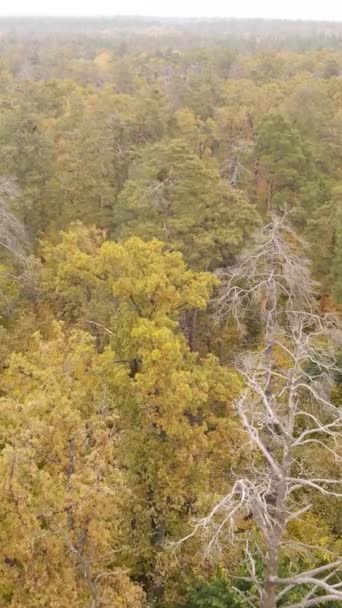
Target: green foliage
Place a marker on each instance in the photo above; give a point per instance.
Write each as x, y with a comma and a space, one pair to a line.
337, 264
173, 195
214, 593
282, 156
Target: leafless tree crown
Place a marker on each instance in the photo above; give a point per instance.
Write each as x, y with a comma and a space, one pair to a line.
286, 411
13, 237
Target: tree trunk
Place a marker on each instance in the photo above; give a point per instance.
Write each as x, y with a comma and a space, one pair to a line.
190, 327
269, 592
269, 596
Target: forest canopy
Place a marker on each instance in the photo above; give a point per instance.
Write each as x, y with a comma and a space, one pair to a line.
171, 292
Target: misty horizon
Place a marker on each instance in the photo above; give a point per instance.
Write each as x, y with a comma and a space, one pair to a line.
74, 16
331, 10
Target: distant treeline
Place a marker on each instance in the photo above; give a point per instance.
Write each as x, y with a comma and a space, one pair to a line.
165, 32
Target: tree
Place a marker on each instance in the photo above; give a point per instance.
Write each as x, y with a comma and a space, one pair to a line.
312, 109
282, 160
214, 593
94, 139
27, 155
61, 498
323, 231
13, 237
290, 421
14, 249
173, 405
172, 195
337, 260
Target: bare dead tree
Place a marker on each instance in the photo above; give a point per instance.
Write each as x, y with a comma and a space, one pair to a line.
235, 167
13, 237
287, 412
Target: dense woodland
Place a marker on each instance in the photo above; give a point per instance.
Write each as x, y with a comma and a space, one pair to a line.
171, 285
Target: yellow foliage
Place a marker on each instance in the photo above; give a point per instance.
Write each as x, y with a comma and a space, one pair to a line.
61, 488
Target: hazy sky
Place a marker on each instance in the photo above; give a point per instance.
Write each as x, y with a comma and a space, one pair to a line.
290, 9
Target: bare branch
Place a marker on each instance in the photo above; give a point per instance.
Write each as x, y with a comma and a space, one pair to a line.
316, 601
285, 410
13, 236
